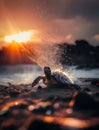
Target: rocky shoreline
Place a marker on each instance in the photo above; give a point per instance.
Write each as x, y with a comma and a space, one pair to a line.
23, 108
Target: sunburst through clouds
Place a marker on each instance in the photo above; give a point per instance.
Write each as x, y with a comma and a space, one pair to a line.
16, 45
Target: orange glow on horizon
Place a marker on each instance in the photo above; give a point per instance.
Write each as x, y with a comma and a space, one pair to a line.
21, 37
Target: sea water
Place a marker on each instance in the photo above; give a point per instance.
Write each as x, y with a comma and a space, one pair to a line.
27, 73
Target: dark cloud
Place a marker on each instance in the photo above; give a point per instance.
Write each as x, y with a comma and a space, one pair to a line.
56, 8
57, 18
88, 9
71, 8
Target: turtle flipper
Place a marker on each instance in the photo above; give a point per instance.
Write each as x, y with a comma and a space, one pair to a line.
35, 82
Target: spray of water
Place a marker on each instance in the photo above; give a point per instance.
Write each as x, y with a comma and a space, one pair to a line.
44, 55
47, 55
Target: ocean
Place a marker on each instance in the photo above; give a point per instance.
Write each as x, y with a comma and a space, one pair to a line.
27, 73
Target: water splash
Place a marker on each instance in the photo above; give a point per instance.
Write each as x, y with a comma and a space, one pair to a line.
48, 55
44, 54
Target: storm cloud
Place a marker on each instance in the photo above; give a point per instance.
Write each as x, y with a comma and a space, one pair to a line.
57, 20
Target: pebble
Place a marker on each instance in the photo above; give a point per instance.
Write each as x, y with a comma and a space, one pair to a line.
48, 112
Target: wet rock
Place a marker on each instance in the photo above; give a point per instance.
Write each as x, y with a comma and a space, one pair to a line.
11, 127
43, 110
50, 98
9, 84
14, 93
20, 106
83, 101
40, 125
92, 128
25, 90
95, 82
87, 90
55, 99
97, 94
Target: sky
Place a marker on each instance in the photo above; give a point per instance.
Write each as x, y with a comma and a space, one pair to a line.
51, 20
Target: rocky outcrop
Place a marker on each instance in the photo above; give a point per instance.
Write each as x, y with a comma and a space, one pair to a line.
81, 53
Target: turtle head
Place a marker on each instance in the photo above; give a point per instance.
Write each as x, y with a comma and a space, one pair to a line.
47, 72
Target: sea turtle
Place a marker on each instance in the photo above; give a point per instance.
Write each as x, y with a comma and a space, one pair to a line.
55, 79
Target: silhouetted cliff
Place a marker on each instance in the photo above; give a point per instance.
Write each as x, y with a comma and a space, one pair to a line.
82, 54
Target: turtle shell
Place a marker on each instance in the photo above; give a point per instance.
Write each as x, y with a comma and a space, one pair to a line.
61, 77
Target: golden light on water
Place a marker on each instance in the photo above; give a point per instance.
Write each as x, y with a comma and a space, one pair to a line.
20, 37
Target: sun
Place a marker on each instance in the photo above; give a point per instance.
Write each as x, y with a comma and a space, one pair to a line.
20, 37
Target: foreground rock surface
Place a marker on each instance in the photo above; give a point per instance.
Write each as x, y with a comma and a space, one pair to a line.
21, 108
